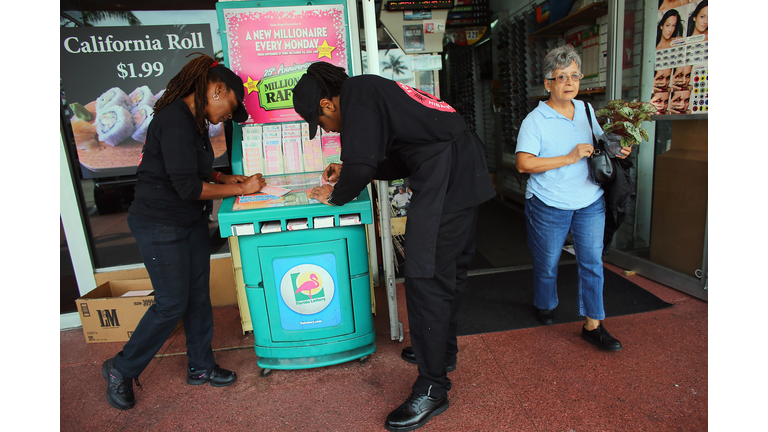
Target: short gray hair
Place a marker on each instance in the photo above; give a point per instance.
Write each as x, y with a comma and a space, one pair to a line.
560, 58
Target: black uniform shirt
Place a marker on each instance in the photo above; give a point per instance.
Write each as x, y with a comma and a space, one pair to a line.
392, 131
175, 161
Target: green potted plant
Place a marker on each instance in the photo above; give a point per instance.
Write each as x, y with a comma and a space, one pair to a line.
623, 123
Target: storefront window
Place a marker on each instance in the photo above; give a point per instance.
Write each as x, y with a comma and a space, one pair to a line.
68, 284
678, 205
665, 233
106, 171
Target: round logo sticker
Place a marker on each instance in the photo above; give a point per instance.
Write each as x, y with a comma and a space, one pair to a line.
307, 289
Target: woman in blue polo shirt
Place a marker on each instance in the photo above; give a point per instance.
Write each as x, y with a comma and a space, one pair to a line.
553, 146
175, 180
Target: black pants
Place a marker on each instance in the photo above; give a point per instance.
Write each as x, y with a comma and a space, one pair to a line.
433, 303
178, 260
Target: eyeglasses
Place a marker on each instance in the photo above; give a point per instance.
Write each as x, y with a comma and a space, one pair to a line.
562, 79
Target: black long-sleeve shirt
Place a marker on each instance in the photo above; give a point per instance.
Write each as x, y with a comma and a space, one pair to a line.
357, 176
175, 161
392, 131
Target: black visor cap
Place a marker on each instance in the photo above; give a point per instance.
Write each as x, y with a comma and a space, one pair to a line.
235, 83
306, 99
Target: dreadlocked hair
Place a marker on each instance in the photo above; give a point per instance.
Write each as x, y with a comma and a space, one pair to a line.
329, 77
194, 77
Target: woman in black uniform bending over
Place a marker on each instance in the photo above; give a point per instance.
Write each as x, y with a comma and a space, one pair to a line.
393, 131
175, 179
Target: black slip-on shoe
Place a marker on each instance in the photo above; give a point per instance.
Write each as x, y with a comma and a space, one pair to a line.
601, 338
408, 355
119, 389
217, 376
544, 316
415, 412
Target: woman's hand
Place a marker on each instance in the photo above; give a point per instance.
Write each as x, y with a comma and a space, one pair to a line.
321, 193
580, 151
527, 163
231, 179
625, 151
332, 173
252, 184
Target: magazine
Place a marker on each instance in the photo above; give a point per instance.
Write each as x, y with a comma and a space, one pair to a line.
399, 197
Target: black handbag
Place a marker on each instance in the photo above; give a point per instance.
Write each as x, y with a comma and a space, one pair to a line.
601, 167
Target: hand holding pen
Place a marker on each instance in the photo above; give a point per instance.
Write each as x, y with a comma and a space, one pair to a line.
332, 173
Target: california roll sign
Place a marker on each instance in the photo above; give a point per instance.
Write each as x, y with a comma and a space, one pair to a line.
307, 289
112, 77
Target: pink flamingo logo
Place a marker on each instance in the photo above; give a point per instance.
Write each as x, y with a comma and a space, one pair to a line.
308, 286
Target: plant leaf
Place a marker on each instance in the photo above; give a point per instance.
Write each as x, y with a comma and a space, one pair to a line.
645, 134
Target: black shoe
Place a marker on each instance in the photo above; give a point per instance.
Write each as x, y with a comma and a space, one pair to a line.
408, 355
217, 376
119, 389
544, 316
601, 338
415, 412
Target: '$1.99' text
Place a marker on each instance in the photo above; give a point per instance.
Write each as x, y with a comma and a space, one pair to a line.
147, 69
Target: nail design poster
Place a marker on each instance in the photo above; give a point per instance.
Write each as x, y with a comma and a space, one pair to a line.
682, 57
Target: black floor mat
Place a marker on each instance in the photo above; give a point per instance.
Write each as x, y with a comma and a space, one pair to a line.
504, 301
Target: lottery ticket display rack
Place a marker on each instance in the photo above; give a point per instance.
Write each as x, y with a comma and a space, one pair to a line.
302, 267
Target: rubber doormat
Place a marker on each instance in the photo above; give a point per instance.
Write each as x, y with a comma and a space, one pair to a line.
504, 301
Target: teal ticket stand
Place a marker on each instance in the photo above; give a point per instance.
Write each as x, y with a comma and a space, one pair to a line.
303, 265
308, 291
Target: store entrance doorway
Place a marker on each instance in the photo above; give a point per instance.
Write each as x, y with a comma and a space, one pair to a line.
501, 243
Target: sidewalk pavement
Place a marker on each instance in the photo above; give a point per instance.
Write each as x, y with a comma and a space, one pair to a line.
537, 379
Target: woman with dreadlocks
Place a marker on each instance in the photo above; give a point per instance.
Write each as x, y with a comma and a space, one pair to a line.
175, 179
392, 131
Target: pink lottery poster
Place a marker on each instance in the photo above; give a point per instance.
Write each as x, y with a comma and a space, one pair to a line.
271, 48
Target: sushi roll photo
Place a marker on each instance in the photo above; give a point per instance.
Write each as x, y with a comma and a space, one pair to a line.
114, 125
83, 127
142, 116
142, 96
113, 97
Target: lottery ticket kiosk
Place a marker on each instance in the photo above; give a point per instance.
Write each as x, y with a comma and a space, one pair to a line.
302, 266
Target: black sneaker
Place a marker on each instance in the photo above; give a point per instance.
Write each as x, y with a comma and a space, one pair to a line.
119, 389
601, 338
545, 316
217, 376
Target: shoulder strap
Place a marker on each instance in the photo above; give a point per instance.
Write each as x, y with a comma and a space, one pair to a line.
591, 131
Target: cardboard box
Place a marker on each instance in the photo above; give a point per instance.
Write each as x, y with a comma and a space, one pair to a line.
108, 317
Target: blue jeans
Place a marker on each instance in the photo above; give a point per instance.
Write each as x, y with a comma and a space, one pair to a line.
178, 260
547, 231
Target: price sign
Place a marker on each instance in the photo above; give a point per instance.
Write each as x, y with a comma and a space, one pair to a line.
126, 70
133, 62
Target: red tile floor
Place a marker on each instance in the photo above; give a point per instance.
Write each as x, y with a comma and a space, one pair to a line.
537, 379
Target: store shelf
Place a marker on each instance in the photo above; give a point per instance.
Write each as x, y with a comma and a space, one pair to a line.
675, 117
584, 16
